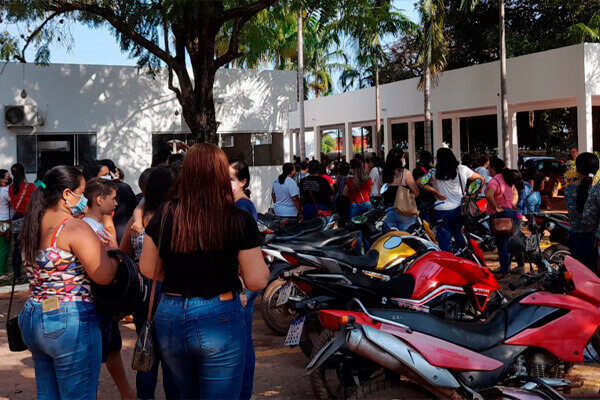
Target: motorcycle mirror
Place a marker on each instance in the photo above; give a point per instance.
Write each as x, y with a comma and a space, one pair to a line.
384, 188
516, 245
359, 219
474, 187
425, 179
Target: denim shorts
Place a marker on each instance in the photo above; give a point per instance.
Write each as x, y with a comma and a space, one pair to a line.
66, 347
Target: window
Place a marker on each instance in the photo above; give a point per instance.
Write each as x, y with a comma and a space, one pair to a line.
39, 153
256, 149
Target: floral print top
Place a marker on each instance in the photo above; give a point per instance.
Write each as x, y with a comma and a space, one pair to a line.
591, 211
58, 273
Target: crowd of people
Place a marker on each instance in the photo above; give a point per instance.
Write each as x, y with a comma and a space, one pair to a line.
192, 229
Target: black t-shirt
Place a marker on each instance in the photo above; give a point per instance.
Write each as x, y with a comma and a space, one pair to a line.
424, 196
537, 182
126, 204
203, 274
321, 190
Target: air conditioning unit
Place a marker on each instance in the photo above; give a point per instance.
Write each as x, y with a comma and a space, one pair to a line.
20, 116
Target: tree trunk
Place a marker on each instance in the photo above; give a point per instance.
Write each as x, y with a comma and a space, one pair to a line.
301, 139
377, 135
506, 139
427, 106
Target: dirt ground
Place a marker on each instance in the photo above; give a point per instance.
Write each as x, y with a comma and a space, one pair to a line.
279, 370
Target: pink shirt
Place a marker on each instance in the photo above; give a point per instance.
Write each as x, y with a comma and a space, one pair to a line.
502, 195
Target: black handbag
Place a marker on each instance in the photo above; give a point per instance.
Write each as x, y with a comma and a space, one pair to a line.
13, 330
468, 207
145, 350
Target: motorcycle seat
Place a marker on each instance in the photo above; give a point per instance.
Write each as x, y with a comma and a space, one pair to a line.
325, 238
366, 262
476, 336
301, 228
401, 286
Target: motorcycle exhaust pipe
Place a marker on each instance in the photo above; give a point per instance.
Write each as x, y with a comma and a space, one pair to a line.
359, 344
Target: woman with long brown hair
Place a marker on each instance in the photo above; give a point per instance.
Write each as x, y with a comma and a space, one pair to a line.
206, 244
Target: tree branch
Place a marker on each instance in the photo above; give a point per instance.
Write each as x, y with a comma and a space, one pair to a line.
234, 43
247, 11
34, 34
117, 22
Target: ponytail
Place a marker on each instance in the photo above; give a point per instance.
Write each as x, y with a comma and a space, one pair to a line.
583, 191
287, 169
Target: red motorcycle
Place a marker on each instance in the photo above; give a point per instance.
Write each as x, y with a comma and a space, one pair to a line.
522, 351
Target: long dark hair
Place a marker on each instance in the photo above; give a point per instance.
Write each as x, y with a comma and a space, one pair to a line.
18, 173
500, 166
56, 181
445, 168
586, 164
204, 216
393, 162
288, 167
358, 172
243, 173
157, 188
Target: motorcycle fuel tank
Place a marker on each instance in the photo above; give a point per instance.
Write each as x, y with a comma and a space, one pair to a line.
394, 247
438, 272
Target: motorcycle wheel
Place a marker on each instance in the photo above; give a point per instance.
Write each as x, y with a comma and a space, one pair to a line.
595, 342
556, 252
391, 389
277, 318
311, 331
337, 377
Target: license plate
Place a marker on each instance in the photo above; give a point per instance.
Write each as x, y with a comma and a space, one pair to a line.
284, 294
294, 332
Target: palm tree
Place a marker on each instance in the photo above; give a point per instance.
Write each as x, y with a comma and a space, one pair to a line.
587, 32
504, 97
432, 55
368, 22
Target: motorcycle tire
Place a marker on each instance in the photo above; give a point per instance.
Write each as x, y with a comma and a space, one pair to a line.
595, 342
391, 389
278, 319
556, 252
326, 381
310, 332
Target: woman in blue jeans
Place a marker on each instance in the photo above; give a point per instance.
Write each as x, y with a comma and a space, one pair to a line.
448, 183
200, 245
502, 196
62, 254
396, 174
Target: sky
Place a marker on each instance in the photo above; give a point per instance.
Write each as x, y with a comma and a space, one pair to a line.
98, 46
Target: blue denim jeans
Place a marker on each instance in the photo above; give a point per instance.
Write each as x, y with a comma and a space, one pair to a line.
451, 227
504, 257
203, 345
248, 380
532, 203
66, 347
583, 248
358, 209
310, 212
398, 221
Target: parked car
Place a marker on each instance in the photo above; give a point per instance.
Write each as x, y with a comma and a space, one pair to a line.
553, 170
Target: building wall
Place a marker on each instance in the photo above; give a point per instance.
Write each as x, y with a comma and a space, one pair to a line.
124, 106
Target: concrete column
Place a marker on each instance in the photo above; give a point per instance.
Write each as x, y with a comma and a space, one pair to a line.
289, 149
514, 140
585, 136
318, 142
297, 142
348, 142
387, 136
456, 137
412, 151
438, 132
499, 133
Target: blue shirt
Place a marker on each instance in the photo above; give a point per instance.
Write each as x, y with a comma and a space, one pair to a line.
284, 205
248, 206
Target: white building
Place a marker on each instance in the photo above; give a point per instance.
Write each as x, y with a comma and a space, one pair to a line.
560, 78
78, 112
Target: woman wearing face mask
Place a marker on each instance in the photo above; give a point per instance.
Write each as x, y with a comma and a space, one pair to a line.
5, 216
239, 173
20, 193
59, 322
